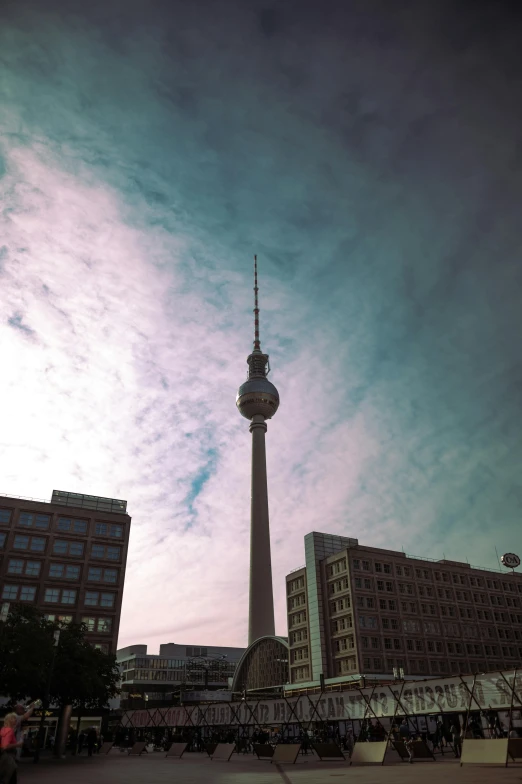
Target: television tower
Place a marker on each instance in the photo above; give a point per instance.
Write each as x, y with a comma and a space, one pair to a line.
258, 400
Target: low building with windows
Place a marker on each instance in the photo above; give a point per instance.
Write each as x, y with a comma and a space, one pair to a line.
68, 558
159, 678
356, 611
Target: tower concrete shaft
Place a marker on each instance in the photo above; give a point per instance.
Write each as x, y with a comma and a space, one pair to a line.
261, 599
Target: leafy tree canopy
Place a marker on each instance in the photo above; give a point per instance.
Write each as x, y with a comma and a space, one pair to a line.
81, 675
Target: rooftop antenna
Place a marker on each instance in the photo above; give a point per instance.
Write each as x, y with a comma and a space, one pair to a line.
257, 342
498, 559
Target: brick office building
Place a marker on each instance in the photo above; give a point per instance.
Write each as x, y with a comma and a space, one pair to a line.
68, 558
362, 611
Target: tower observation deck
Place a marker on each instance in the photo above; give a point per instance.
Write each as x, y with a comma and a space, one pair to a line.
258, 400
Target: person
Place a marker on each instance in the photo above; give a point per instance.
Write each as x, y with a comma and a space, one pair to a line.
456, 738
92, 737
406, 737
22, 715
513, 733
81, 741
100, 743
9, 745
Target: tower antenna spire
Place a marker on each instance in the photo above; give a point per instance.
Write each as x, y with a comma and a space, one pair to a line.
257, 342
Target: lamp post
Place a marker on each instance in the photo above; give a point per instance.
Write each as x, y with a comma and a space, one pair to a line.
45, 705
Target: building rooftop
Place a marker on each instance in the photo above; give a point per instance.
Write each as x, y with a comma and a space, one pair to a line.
92, 503
345, 543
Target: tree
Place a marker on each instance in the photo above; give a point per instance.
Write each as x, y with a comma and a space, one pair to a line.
72, 673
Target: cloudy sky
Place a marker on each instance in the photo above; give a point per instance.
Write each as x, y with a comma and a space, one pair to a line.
369, 152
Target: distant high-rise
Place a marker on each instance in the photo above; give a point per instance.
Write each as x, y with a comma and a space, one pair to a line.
258, 400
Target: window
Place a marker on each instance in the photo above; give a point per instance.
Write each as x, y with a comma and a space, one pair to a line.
366, 566
104, 625
389, 587
378, 567
90, 623
65, 596
110, 553
66, 571
68, 596
10, 592
368, 621
32, 568
5, 516
92, 598
398, 571
367, 584
370, 603
358, 582
392, 605
60, 618
63, 547
356, 563
52, 595
29, 568
30, 520
382, 604
2, 540
28, 593
34, 543
105, 529
72, 526
15, 567
104, 648
380, 585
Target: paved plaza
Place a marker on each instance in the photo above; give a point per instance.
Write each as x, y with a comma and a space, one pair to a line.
117, 768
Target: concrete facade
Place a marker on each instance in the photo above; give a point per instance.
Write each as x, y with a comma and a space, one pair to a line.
68, 558
363, 611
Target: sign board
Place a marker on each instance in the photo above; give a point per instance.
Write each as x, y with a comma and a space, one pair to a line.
510, 560
436, 695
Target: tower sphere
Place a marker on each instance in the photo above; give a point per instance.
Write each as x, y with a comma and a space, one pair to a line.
257, 396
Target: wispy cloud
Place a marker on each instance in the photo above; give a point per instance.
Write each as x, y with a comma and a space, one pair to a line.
144, 162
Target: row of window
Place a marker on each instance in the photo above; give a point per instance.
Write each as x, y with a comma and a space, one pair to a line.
296, 584
298, 618
62, 571
93, 624
68, 524
37, 544
439, 576
297, 601
27, 593
299, 636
